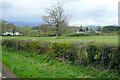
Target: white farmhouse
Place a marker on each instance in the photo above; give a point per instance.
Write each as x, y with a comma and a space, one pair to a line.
11, 34
7, 33
17, 33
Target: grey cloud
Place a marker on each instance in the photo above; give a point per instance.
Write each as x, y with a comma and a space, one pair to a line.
6, 5
97, 12
77, 8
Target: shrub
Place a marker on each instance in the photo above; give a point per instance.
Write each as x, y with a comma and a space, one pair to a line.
110, 57
37, 47
93, 52
115, 59
106, 55
81, 58
33, 46
78, 34
62, 51
84, 34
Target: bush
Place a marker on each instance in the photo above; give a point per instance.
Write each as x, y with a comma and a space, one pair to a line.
84, 34
43, 34
33, 46
62, 51
78, 34
106, 55
110, 57
115, 59
93, 52
81, 58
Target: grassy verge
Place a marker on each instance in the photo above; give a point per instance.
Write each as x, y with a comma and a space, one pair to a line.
99, 39
28, 65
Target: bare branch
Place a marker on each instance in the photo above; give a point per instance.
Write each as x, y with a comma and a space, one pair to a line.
56, 17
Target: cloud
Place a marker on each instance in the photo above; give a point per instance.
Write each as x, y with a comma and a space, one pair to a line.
84, 12
6, 5
83, 22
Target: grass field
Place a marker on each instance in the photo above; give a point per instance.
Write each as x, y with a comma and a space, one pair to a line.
28, 65
98, 39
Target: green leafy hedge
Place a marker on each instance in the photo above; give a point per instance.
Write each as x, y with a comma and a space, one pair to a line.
106, 56
33, 46
78, 34
63, 51
84, 34
94, 53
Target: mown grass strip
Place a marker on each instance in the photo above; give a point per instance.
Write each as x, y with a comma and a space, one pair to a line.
28, 65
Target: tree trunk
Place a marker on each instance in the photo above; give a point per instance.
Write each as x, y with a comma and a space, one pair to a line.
56, 35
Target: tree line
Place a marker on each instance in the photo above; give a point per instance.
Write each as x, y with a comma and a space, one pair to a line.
48, 30
58, 24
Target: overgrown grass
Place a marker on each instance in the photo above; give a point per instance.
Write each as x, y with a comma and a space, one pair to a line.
99, 39
28, 65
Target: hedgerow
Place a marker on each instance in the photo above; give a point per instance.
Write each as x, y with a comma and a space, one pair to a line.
94, 53
106, 56
84, 34
63, 51
33, 46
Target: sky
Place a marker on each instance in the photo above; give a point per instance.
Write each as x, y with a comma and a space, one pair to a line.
84, 12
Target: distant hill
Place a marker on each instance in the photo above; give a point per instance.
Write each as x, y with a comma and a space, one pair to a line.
95, 26
92, 26
20, 23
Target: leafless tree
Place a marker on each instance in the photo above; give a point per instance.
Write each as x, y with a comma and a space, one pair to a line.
56, 17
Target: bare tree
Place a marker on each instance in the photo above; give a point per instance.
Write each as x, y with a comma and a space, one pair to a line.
56, 17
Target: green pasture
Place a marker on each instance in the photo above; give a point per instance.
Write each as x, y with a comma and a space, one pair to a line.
99, 39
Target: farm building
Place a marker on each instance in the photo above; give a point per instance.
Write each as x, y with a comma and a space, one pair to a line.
11, 34
17, 33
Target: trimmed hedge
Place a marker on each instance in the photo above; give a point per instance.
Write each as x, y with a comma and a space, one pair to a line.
94, 53
63, 51
106, 56
110, 57
33, 46
84, 34
78, 34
